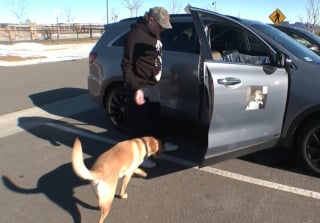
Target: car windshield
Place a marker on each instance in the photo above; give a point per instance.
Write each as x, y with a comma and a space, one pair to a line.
290, 44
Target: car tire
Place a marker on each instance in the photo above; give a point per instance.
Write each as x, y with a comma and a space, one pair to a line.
308, 146
116, 107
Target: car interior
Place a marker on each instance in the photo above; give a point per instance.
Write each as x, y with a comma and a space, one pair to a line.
228, 44
236, 46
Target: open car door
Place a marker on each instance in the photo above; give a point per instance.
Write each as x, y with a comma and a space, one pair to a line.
244, 100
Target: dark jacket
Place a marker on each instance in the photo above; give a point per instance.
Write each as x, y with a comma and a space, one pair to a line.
141, 58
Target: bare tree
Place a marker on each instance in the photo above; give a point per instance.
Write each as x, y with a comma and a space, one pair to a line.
313, 10
114, 16
67, 14
129, 6
300, 19
174, 7
19, 8
133, 6
137, 5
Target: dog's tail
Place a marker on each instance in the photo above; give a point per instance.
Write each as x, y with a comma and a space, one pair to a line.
77, 161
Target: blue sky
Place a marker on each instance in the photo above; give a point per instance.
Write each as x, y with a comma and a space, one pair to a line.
84, 11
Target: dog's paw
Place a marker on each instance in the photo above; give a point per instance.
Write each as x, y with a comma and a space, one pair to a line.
123, 196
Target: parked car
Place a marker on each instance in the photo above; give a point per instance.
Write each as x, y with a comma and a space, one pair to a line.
248, 84
303, 36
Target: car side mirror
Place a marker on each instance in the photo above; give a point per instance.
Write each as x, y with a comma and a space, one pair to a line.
282, 60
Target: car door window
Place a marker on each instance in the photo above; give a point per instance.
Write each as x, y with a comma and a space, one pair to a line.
120, 40
237, 46
180, 38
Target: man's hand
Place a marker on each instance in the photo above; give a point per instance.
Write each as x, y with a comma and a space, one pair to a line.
139, 97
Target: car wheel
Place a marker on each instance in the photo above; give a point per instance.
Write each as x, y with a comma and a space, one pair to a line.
116, 106
309, 146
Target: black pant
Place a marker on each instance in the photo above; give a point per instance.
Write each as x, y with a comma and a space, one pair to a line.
144, 120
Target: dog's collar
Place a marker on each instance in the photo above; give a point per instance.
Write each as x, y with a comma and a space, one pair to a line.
145, 145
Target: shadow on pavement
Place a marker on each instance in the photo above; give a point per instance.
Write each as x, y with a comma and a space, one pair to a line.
186, 136
47, 97
58, 184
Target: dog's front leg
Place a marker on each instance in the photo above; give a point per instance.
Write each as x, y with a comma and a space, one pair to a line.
125, 181
140, 172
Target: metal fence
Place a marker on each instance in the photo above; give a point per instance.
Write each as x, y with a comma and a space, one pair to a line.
18, 33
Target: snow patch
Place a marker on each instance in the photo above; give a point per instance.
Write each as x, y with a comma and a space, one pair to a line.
44, 53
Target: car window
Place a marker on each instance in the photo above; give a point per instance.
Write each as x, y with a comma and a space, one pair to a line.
299, 38
120, 40
180, 38
237, 46
289, 43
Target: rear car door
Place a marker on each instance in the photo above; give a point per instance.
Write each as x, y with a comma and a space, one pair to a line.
244, 94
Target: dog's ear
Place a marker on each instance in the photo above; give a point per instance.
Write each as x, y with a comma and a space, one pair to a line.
155, 145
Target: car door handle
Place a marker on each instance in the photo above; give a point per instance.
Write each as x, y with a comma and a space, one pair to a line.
229, 81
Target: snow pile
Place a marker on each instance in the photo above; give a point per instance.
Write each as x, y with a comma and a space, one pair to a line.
22, 50
33, 53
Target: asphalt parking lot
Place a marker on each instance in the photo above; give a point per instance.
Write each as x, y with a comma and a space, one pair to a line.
38, 184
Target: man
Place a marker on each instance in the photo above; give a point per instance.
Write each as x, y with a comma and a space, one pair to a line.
141, 66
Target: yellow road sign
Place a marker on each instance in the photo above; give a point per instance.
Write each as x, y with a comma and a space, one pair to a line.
277, 16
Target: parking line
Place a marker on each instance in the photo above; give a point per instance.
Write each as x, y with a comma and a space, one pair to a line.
264, 183
231, 175
81, 133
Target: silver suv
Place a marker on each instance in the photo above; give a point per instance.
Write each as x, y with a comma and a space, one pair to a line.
248, 85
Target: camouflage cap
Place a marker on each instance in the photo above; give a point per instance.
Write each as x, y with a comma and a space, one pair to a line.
161, 15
